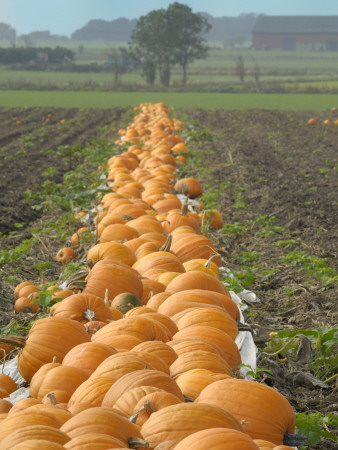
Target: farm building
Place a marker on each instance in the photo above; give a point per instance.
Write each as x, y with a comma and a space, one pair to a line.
305, 33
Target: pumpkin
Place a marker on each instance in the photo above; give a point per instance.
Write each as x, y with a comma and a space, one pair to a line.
195, 279
101, 420
87, 356
117, 365
215, 336
91, 391
118, 232
212, 317
157, 263
189, 186
188, 246
153, 361
26, 290
151, 403
166, 205
199, 359
134, 244
213, 218
108, 219
78, 236
178, 218
312, 121
181, 346
150, 314
263, 443
179, 421
97, 441
26, 305
93, 326
142, 377
57, 397
7, 383
38, 432
21, 285
65, 378
217, 439
23, 404
83, 308
150, 288
5, 406
127, 401
158, 348
125, 302
115, 276
139, 327
267, 413
145, 224
41, 444
111, 250
193, 381
23, 419
65, 255
51, 337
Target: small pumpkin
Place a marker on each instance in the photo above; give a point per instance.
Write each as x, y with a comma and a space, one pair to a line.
65, 255
125, 302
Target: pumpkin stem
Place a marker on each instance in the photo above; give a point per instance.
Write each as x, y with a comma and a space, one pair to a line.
127, 217
106, 297
137, 443
89, 315
184, 209
16, 341
166, 246
188, 399
294, 440
90, 263
52, 398
148, 407
244, 327
204, 223
207, 264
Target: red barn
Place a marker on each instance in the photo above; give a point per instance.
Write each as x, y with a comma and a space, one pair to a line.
303, 33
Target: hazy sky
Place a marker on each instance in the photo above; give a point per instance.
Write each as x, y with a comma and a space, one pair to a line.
66, 16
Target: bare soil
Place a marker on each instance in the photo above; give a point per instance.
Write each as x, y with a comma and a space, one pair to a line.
269, 163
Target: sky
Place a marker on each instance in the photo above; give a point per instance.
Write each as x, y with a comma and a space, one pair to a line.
66, 16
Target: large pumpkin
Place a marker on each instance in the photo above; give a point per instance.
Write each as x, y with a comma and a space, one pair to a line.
267, 413
113, 277
144, 377
83, 308
51, 337
179, 421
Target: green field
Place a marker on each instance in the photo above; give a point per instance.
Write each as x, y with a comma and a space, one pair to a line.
211, 83
69, 99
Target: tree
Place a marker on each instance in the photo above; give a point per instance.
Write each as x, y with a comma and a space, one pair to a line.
8, 33
169, 37
120, 61
186, 30
240, 69
150, 41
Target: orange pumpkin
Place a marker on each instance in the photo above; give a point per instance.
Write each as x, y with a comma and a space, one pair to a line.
244, 399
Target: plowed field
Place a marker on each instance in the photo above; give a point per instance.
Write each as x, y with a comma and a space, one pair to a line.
273, 177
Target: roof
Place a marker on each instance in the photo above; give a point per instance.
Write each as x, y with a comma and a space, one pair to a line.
296, 24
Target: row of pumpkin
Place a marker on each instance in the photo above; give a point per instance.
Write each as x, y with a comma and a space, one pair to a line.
140, 351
